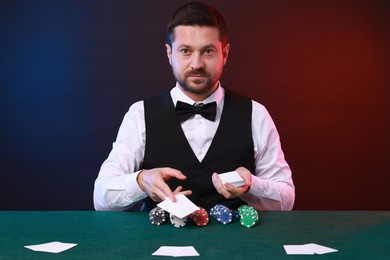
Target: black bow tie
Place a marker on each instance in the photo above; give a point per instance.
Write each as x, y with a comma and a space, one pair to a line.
184, 111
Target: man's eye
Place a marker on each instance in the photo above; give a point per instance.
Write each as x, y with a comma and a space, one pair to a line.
185, 51
209, 52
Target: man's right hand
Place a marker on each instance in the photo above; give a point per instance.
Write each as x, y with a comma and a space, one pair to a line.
153, 183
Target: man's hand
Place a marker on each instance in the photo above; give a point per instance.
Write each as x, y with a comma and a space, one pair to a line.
153, 183
229, 191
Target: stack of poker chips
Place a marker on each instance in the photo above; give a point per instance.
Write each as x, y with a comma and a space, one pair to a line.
200, 217
248, 216
223, 214
177, 222
158, 216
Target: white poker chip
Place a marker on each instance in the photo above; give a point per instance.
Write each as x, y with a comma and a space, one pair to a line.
178, 222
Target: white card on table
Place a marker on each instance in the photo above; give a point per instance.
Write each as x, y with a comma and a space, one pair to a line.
52, 247
318, 249
308, 249
176, 251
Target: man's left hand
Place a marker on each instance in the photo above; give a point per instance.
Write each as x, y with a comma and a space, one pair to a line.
228, 190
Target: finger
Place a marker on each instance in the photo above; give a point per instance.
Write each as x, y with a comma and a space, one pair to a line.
170, 172
219, 186
186, 192
229, 186
232, 189
216, 181
159, 190
167, 193
236, 191
245, 174
178, 191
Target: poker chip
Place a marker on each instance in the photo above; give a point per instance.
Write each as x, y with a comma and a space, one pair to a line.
248, 216
222, 213
200, 217
157, 216
178, 222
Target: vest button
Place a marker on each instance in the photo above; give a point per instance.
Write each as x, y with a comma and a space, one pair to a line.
201, 172
201, 198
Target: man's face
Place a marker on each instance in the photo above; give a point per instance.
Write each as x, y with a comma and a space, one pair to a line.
197, 59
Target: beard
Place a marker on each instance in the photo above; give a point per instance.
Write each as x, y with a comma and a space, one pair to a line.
203, 84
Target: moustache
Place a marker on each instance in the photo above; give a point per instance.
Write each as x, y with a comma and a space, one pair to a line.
198, 73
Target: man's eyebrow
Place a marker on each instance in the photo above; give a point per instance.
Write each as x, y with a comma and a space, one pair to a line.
203, 48
209, 46
183, 46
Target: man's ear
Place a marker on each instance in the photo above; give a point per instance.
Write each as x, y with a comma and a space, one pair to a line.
225, 52
169, 53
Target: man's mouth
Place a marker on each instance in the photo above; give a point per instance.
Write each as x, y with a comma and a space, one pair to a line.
197, 75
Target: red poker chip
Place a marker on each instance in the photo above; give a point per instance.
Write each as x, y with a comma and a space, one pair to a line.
200, 217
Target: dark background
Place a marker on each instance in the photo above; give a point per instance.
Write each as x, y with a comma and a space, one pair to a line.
69, 70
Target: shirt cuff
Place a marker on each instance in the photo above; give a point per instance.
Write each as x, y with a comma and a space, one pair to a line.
134, 191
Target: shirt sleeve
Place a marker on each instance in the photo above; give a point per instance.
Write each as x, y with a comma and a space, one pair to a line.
116, 186
272, 185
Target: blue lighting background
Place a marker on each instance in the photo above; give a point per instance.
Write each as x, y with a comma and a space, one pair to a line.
68, 76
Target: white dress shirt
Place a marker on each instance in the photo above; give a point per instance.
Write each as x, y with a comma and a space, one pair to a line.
272, 188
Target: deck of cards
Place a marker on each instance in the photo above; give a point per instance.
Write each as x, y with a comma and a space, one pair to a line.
232, 177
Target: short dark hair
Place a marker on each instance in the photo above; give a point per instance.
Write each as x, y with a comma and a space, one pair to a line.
200, 14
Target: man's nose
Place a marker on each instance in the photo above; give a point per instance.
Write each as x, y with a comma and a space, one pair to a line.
197, 62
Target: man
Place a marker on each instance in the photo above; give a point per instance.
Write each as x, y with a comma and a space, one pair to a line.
161, 150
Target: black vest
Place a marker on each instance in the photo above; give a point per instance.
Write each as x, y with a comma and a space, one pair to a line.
167, 146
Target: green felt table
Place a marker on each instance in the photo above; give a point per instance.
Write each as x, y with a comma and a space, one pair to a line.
129, 235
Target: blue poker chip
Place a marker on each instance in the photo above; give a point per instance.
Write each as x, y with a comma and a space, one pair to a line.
224, 217
235, 214
222, 213
216, 209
